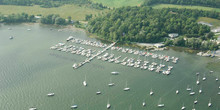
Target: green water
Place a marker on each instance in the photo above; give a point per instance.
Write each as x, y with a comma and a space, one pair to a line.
29, 70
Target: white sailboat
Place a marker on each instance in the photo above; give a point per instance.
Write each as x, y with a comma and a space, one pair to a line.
209, 104
114, 73
108, 105
183, 107
160, 104
195, 101
197, 82
151, 92
204, 78
192, 92
144, 103
111, 83
84, 82
74, 106
50, 94
200, 90
126, 88
188, 88
193, 108
216, 79
32, 108
177, 91
98, 92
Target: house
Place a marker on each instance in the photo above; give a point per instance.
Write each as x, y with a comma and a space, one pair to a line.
204, 23
159, 45
216, 30
173, 35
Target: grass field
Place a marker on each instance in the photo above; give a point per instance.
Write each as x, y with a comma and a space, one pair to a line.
188, 7
214, 22
75, 11
119, 3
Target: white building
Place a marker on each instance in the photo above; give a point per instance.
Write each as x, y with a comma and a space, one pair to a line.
173, 35
216, 30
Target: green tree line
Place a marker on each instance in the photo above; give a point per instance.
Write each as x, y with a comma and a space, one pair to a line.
208, 3
17, 18
144, 24
52, 3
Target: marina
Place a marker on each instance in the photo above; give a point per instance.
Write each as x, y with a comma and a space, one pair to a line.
37, 71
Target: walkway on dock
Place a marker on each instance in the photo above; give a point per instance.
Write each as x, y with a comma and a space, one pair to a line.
75, 66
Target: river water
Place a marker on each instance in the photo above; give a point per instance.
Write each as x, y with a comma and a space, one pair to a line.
29, 70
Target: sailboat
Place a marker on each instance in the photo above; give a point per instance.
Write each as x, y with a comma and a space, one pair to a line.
126, 88
114, 73
98, 92
84, 82
188, 88
108, 105
160, 104
192, 92
32, 108
197, 82
216, 79
204, 78
177, 91
200, 90
183, 107
195, 101
209, 104
110, 83
144, 103
151, 92
74, 106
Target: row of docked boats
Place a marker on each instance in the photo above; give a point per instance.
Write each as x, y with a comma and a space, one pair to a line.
86, 42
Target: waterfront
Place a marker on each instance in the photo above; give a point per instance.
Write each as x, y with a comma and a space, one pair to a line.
29, 70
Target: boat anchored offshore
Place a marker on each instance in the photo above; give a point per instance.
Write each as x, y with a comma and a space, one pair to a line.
50, 94
151, 92
144, 103
84, 82
209, 104
98, 92
114, 73
177, 91
32, 108
195, 101
160, 104
108, 105
183, 107
111, 83
74, 106
126, 88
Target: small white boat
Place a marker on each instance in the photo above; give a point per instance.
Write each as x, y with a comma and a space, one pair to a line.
50, 94
84, 82
74, 106
126, 88
32, 108
11, 37
151, 92
197, 82
193, 108
177, 91
114, 73
195, 101
160, 104
144, 104
204, 78
28, 29
216, 79
98, 92
108, 105
200, 90
209, 104
111, 83
188, 88
183, 107
218, 93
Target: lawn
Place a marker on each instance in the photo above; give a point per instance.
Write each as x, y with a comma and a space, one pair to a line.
119, 3
184, 6
75, 11
214, 22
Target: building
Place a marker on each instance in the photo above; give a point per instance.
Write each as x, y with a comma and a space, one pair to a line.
173, 35
159, 45
216, 30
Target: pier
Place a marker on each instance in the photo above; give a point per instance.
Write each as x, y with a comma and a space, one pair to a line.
75, 66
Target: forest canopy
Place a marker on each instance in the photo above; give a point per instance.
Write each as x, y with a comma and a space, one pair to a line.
144, 24
208, 3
